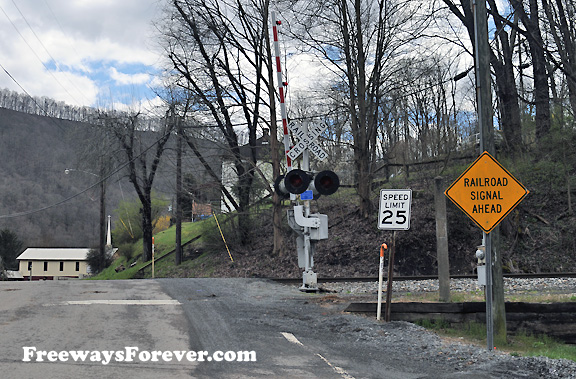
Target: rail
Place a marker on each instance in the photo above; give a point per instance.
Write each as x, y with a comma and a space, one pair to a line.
428, 277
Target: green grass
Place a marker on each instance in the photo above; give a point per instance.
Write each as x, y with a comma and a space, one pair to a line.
521, 343
164, 242
529, 345
203, 266
478, 296
111, 274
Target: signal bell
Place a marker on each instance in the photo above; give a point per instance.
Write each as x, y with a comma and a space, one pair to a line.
298, 181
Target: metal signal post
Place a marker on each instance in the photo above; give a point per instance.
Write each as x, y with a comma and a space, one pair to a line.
309, 227
303, 183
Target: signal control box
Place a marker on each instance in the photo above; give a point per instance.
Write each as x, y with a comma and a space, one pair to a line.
317, 222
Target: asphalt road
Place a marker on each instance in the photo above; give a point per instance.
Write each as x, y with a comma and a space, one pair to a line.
291, 334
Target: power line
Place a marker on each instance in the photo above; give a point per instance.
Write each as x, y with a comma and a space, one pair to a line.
34, 52
102, 179
46, 49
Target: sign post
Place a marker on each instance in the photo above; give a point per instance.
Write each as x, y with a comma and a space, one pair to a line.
487, 193
380, 279
310, 228
394, 214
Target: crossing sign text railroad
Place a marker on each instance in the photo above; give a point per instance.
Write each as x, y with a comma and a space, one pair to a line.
486, 192
307, 140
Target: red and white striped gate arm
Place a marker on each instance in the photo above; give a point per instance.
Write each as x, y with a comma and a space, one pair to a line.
281, 85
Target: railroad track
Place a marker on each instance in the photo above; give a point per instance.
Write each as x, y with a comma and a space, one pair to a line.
425, 277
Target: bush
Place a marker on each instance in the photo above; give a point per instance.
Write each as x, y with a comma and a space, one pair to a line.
126, 250
98, 262
10, 248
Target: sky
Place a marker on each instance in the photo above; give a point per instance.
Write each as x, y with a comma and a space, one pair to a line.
98, 53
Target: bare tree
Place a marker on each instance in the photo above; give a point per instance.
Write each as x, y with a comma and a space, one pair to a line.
360, 41
143, 149
503, 66
531, 21
561, 16
217, 51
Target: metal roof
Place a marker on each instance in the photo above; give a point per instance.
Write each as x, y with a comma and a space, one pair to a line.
54, 254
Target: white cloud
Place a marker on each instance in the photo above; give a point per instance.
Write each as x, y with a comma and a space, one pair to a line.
122, 78
77, 51
306, 72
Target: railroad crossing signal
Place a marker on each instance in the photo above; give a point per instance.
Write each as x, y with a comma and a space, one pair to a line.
486, 192
309, 227
298, 182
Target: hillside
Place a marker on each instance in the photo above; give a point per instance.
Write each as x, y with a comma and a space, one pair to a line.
38, 201
34, 152
537, 237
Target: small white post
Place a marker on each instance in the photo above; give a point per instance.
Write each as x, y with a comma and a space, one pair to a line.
109, 234
380, 279
152, 257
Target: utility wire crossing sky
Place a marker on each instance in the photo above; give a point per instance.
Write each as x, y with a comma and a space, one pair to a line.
98, 53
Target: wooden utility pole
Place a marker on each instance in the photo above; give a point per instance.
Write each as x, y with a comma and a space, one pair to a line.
495, 311
178, 247
442, 241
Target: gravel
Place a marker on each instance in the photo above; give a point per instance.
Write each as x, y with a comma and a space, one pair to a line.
474, 361
511, 285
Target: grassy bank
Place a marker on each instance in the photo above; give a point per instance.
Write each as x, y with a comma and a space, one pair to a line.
518, 344
164, 243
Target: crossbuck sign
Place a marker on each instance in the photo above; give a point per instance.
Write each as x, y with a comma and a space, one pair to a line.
307, 136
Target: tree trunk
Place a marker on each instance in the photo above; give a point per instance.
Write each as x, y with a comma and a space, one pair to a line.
245, 180
564, 39
506, 90
541, 88
355, 71
147, 228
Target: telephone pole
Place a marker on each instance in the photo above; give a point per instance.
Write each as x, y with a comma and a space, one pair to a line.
178, 247
495, 311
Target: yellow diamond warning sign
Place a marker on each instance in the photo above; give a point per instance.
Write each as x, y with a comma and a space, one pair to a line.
486, 192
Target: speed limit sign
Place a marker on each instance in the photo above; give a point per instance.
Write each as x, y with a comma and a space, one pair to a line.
394, 211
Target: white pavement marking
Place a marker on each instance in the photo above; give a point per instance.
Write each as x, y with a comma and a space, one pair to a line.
118, 302
339, 370
292, 338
